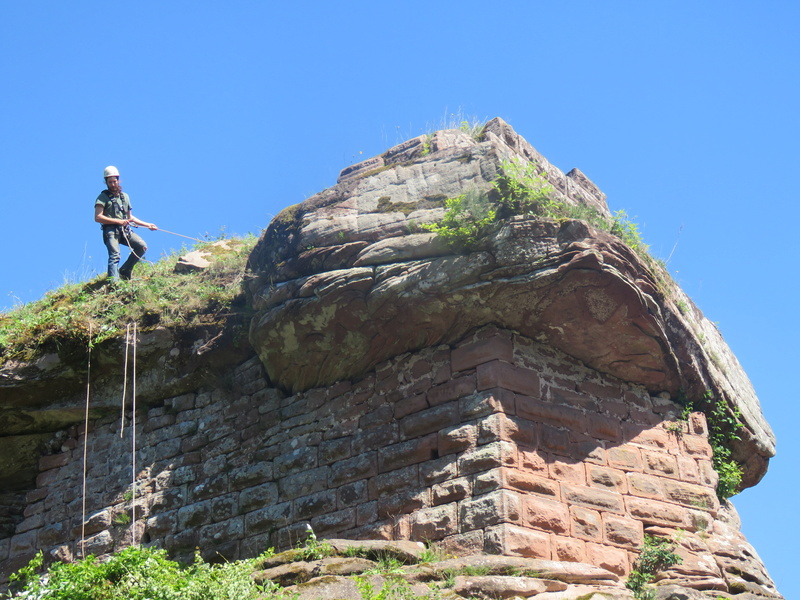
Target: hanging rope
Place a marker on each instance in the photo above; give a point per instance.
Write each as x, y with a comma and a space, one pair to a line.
133, 436
125, 379
85, 443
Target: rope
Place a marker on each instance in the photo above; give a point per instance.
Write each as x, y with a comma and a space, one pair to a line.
86, 443
125, 380
173, 233
133, 435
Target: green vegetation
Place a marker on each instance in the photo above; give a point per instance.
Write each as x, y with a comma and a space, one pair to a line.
141, 574
656, 555
522, 189
723, 428
154, 297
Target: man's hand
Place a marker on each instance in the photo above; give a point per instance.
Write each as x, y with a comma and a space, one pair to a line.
152, 227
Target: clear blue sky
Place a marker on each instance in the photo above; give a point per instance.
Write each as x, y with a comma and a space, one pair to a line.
220, 114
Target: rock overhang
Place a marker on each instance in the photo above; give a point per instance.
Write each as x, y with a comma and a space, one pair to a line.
349, 278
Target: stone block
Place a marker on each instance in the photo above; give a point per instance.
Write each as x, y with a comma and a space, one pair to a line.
451, 491
586, 524
430, 420
489, 456
380, 415
487, 402
609, 558
159, 526
373, 439
660, 463
410, 404
394, 482
691, 495
654, 512
689, 470
470, 355
303, 483
627, 458
352, 494
402, 503
332, 450
224, 507
593, 498
407, 453
268, 519
533, 460
567, 470
654, 437
555, 440
600, 390
512, 540
622, 531
568, 549
334, 522
556, 415
53, 461
441, 469
299, 459
353, 469
194, 515
452, 390
603, 427
314, 505
697, 446
503, 375
606, 478
489, 509
434, 523
546, 514
508, 428
457, 438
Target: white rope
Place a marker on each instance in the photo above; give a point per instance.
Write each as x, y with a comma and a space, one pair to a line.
133, 435
125, 380
86, 444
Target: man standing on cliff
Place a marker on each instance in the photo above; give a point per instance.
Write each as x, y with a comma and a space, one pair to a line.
112, 210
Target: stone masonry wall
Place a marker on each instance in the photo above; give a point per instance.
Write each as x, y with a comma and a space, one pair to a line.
500, 444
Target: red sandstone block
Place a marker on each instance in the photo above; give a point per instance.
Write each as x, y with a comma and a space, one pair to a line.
367, 512
554, 440
464, 544
688, 470
434, 523
53, 461
512, 540
490, 509
628, 458
689, 494
410, 405
604, 428
506, 376
473, 354
696, 445
408, 453
610, 558
394, 482
606, 478
567, 471
451, 491
402, 503
489, 456
501, 427
647, 436
532, 460
569, 397
654, 512
520, 479
698, 424
353, 469
452, 390
586, 524
546, 514
660, 463
314, 505
485, 403
587, 449
429, 420
622, 531
457, 438
601, 391
645, 486
552, 414
568, 549
593, 498
331, 523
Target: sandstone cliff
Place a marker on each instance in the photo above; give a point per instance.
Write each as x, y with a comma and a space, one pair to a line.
520, 395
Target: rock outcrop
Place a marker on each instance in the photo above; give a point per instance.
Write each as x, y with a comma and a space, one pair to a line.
519, 397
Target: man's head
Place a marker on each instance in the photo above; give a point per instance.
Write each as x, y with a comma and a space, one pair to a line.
111, 175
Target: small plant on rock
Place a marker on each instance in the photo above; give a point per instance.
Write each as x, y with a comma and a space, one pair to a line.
656, 555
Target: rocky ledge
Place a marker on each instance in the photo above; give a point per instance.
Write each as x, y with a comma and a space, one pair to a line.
350, 278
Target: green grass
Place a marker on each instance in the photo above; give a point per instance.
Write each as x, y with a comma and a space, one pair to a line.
156, 296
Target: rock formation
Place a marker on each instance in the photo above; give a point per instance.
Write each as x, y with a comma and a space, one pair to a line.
520, 396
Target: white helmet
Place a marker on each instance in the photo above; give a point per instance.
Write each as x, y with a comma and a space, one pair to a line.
110, 172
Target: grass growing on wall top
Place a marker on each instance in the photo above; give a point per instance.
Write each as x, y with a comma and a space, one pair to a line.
156, 296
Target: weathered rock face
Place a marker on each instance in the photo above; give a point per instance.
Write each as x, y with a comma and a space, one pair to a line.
519, 399
346, 280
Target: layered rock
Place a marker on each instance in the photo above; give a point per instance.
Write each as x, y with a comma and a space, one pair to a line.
519, 398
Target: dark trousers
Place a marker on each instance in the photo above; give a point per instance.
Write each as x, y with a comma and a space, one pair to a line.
113, 236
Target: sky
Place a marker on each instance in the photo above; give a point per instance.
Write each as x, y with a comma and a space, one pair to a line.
220, 114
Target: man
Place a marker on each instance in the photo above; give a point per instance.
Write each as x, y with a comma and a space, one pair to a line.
112, 210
